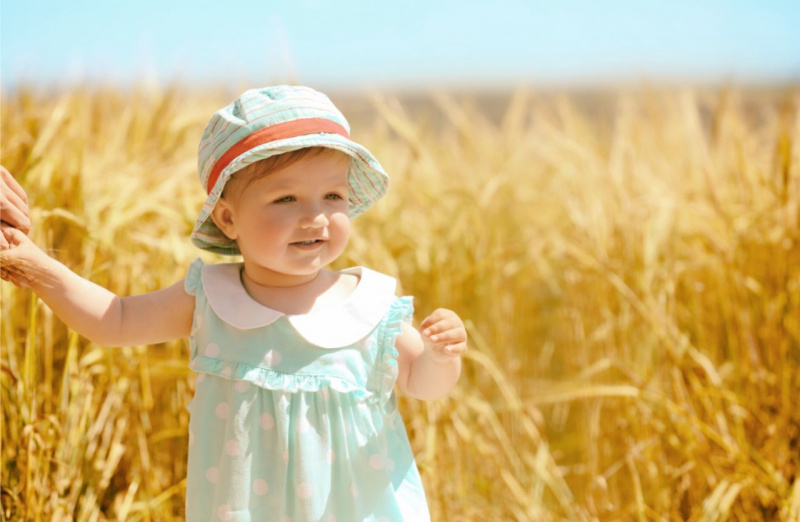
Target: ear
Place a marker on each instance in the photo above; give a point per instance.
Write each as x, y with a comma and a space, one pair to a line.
223, 217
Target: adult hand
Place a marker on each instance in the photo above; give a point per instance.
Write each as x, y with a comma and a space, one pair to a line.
19, 260
13, 203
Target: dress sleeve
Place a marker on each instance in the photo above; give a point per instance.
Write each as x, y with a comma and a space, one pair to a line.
192, 282
402, 311
386, 373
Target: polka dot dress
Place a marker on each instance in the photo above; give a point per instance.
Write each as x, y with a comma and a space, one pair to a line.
294, 418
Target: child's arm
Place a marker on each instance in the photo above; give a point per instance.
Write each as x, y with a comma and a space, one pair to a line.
430, 359
91, 310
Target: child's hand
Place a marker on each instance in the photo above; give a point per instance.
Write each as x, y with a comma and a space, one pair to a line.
13, 205
444, 334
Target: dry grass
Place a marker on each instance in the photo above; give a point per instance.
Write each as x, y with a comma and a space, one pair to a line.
631, 287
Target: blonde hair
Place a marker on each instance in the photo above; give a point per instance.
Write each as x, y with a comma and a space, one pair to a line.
243, 178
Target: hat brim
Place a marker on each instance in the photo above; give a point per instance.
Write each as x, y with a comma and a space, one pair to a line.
367, 180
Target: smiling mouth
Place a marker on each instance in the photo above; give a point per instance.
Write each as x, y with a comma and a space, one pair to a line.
309, 242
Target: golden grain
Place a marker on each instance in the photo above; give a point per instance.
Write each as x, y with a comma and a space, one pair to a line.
628, 268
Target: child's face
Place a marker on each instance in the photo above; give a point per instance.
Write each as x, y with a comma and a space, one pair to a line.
294, 221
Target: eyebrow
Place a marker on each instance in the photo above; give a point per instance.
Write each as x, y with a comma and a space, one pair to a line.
291, 185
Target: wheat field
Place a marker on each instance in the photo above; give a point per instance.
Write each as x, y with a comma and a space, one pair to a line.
629, 274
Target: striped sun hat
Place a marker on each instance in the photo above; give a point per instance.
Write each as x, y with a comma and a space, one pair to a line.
267, 122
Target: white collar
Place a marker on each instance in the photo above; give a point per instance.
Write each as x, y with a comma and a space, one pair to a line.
342, 326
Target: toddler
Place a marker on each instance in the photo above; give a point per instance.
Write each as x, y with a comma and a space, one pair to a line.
294, 416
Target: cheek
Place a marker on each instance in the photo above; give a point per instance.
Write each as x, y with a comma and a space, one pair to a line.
269, 222
341, 222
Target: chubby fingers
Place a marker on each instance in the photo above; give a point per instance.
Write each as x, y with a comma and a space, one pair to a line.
445, 332
12, 184
448, 337
454, 350
6, 236
13, 202
440, 321
11, 236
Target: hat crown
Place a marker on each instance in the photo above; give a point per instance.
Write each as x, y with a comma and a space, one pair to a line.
257, 109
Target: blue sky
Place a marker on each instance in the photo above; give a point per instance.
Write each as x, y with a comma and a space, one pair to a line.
400, 44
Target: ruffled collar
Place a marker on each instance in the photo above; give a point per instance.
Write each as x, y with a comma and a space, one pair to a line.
342, 326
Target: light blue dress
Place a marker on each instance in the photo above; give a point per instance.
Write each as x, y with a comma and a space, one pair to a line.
294, 418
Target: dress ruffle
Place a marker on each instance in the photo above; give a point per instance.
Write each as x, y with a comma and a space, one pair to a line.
270, 379
386, 369
379, 385
192, 282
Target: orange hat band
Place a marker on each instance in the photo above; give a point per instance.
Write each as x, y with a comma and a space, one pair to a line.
279, 131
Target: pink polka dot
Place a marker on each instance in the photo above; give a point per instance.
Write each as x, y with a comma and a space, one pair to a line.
226, 372
222, 410
304, 490
286, 518
285, 456
242, 386
233, 447
340, 362
376, 462
212, 474
212, 350
354, 490
199, 378
331, 457
266, 421
224, 512
260, 487
331, 518
272, 358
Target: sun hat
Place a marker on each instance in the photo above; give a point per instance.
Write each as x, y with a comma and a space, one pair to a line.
273, 120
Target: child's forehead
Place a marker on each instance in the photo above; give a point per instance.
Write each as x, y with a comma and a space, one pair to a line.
312, 155
307, 171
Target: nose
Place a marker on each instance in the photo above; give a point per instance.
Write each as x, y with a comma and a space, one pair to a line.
313, 216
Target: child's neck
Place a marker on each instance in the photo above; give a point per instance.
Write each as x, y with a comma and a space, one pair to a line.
300, 295
265, 278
